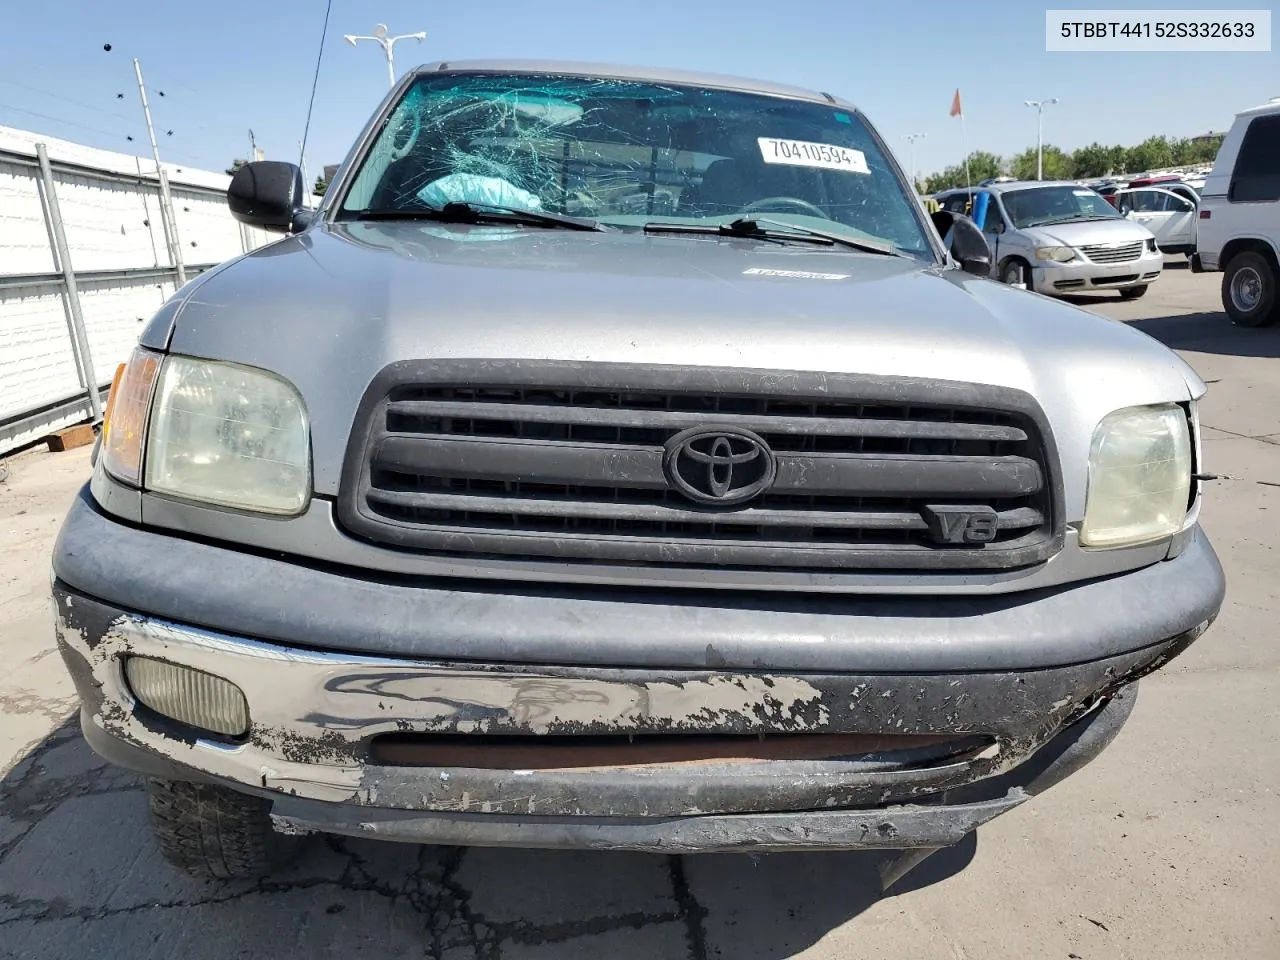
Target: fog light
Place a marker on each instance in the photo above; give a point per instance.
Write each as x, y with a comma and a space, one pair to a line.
189, 696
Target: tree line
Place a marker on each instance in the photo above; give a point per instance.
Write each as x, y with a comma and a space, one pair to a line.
1089, 162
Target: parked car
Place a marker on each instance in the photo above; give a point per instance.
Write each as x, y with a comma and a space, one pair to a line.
1058, 238
1239, 225
620, 459
1108, 191
1190, 188
1170, 216
1160, 180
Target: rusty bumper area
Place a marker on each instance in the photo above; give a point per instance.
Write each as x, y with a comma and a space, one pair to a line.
317, 718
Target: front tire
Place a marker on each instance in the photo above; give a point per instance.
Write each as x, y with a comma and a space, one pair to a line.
215, 833
1249, 290
1133, 293
1012, 273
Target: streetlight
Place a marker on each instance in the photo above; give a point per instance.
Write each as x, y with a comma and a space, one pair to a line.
380, 37
911, 138
1040, 105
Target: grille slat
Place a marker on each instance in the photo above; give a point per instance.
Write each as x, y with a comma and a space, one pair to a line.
625, 466
1108, 253
809, 425
705, 550
862, 519
551, 460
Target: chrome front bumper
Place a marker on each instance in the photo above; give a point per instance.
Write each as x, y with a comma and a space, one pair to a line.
314, 715
1082, 275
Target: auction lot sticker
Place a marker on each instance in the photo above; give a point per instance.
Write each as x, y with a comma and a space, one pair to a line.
1145, 31
805, 153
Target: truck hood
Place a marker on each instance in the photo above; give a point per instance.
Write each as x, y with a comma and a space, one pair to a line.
329, 308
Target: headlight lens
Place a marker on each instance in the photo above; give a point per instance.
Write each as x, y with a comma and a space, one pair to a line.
1139, 477
1060, 254
228, 435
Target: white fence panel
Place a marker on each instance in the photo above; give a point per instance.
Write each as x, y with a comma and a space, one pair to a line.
37, 366
114, 226
24, 236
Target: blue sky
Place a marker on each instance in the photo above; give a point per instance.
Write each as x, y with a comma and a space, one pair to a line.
233, 65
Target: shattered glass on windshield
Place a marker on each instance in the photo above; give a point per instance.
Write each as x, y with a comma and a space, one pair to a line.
630, 153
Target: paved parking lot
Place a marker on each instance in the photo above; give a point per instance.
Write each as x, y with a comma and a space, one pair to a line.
1166, 847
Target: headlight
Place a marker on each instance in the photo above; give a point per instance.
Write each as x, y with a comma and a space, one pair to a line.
228, 435
1139, 477
1060, 254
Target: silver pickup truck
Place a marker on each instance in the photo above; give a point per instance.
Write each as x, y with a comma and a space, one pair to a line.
621, 459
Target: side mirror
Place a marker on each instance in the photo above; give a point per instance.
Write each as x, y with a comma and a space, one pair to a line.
968, 245
268, 194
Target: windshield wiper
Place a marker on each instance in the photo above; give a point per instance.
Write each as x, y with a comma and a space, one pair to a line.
465, 211
1067, 218
749, 227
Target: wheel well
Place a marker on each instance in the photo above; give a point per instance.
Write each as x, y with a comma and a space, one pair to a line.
1004, 262
1247, 245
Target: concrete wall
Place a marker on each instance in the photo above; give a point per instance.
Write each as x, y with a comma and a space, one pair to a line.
110, 207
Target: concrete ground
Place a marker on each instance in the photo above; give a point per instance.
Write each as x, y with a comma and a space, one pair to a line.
1166, 847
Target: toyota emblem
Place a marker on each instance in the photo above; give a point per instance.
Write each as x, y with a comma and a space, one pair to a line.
719, 465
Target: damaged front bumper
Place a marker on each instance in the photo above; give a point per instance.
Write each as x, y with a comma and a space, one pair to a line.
318, 718
441, 749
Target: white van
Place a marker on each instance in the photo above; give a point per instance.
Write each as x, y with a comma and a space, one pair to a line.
1239, 224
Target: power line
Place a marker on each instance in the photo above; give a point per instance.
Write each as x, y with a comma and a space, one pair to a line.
69, 123
65, 99
168, 85
315, 80
106, 133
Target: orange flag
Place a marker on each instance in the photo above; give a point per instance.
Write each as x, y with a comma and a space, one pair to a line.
955, 104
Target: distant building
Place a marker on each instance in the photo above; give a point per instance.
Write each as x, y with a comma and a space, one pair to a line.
331, 171
1206, 137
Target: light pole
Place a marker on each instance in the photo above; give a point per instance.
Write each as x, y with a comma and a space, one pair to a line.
911, 138
1040, 105
380, 37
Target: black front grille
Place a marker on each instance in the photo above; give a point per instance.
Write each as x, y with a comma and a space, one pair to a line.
558, 460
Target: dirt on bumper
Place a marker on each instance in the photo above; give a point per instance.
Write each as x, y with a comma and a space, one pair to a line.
317, 718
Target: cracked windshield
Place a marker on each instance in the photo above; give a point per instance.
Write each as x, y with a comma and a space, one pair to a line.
631, 154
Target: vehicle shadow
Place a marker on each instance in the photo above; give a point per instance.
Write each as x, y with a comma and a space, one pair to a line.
1211, 332
81, 877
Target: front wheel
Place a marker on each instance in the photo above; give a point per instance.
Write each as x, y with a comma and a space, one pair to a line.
1249, 290
215, 833
1012, 273
1133, 293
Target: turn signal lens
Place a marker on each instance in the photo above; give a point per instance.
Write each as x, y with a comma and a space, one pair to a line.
125, 422
189, 696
